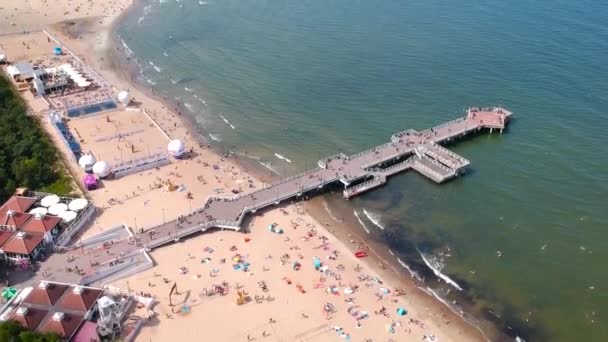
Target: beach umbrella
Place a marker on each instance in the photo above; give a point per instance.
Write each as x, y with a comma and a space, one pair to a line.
58, 208
57, 51
78, 204
49, 200
9, 292
401, 312
67, 216
39, 210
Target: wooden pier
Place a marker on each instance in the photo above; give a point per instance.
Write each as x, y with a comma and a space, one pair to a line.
358, 173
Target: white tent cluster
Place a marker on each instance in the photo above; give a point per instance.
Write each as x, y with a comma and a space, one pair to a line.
176, 148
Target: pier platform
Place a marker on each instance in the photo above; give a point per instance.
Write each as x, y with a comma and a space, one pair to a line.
357, 173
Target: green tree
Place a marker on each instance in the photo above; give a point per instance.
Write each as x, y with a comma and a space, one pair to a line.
27, 156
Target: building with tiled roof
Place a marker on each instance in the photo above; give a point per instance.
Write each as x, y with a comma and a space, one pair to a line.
55, 307
22, 245
29, 318
14, 219
80, 298
62, 324
19, 204
42, 224
46, 293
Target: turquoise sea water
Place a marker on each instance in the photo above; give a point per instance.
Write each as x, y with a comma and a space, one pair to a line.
304, 79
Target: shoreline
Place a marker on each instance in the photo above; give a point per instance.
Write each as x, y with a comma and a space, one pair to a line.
117, 56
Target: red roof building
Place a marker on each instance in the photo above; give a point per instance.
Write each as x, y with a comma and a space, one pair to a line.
46, 293
56, 307
18, 204
4, 236
80, 298
29, 318
22, 245
63, 324
14, 219
41, 224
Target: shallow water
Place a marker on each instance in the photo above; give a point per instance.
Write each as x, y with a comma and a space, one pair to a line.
295, 80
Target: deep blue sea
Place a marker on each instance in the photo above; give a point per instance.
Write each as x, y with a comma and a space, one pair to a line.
287, 82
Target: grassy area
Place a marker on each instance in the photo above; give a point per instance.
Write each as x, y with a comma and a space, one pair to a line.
28, 158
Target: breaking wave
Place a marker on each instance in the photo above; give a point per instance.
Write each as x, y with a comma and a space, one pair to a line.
374, 218
331, 214
436, 265
215, 137
282, 157
361, 222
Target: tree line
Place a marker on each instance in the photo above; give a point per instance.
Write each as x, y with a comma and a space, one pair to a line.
27, 156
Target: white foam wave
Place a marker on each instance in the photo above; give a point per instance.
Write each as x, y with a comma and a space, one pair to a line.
436, 265
188, 89
127, 49
215, 137
150, 81
413, 273
202, 3
374, 218
328, 209
232, 126
280, 156
224, 118
140, 20
165, 54
268, 165
173, 81
189, 106
361, 222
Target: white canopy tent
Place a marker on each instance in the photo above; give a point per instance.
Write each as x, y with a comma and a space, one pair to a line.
49, 200
176, 148
67, 216
39, 211
102, 169
78, 204
87, 161
58, 208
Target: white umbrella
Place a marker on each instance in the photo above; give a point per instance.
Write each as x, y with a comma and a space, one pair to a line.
39, 210
58, 208
49, 200
78, 204
67, 216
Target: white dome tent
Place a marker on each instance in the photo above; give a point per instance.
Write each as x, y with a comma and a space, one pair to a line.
124, 97
176, 148
102, 169
86, 162
67, 216
78, 204
58, 208
49, 200
39, 211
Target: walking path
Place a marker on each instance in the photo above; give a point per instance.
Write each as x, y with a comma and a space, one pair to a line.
358, 173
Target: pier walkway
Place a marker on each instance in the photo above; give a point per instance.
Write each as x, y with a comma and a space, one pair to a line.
417, 150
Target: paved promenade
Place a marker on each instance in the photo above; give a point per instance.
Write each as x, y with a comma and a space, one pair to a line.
358, 173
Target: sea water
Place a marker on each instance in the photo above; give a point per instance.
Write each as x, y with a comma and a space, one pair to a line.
523, 233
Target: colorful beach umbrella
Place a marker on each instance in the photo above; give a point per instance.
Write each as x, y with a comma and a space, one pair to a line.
9, 292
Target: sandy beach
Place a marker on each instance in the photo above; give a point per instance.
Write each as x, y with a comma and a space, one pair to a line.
286, 298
